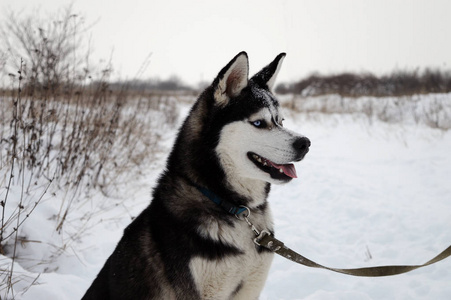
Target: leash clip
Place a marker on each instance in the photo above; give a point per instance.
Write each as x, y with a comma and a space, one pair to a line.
245, 217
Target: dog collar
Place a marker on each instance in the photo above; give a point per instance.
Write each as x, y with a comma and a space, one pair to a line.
226, 205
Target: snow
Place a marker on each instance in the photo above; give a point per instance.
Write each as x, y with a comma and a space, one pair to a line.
368, 193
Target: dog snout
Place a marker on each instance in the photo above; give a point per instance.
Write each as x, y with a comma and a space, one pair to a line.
301, 145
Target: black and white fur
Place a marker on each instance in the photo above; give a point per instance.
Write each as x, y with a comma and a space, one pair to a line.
183, 245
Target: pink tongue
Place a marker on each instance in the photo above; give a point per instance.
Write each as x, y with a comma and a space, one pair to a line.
288, 169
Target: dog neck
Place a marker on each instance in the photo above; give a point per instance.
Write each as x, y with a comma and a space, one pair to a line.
224, 204
255, 191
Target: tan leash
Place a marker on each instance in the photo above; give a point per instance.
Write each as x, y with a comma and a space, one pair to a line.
266, 240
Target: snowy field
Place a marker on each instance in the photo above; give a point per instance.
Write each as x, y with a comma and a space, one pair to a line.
368, 193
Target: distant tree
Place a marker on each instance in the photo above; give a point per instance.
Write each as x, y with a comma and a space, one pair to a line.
173, 83
348, 84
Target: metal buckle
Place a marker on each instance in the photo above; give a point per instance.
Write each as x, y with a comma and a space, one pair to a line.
262, 234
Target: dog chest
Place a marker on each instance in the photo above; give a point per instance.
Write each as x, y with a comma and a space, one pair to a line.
238, 276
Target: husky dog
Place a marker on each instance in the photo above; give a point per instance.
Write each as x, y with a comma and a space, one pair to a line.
189, 243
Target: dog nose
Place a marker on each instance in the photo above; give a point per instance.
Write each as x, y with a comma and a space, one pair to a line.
301, 145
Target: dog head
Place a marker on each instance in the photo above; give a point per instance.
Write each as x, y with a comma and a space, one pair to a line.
252, 142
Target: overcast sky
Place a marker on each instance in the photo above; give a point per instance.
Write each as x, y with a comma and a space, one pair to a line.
195, 39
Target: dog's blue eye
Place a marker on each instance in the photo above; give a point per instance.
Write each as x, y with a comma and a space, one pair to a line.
257, 123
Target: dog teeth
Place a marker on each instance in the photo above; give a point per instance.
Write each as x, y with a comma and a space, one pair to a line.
280, 170
260, 159
257, 158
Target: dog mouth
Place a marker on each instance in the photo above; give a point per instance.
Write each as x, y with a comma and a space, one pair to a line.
283, 172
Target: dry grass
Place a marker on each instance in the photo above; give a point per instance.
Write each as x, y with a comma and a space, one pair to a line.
433, 110
75, 142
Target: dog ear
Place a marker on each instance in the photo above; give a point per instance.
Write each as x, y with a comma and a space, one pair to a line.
267, 76
232, 79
